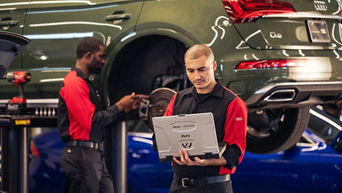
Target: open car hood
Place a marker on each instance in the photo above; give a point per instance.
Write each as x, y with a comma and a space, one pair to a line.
10, 45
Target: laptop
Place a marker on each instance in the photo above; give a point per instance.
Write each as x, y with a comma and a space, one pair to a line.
195, 133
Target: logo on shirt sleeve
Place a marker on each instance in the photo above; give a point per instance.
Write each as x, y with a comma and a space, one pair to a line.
238, 118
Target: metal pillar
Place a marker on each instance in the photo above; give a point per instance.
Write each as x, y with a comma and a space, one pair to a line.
116, 156
14, 159
4, 141
121, 161
23, 161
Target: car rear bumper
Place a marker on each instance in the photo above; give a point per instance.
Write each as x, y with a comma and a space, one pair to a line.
295, 94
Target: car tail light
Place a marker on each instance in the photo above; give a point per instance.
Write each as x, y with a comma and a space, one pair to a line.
265, 64
243, 11
34, 150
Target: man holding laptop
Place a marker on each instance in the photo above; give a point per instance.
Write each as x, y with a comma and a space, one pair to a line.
230, 117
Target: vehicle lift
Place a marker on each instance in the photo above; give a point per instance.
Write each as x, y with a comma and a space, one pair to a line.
15, 117
19, 113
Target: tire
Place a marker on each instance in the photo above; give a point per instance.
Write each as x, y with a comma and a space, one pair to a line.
139, 65
145, 65
290, 126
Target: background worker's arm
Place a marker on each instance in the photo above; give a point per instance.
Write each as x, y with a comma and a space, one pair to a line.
76, 96
115, 112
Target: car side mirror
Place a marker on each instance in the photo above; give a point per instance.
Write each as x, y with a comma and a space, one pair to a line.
338, 144
10, 46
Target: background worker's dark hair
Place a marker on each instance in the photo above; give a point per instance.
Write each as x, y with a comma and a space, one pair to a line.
88, 45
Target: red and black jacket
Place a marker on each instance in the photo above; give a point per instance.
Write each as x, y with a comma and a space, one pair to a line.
230, 116
81, 113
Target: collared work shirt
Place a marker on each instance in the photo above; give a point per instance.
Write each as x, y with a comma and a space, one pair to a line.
81, 114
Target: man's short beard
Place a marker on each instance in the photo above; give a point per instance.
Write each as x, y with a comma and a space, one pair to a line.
93, 67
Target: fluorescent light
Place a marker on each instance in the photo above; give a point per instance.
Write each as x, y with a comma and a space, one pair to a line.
59, 36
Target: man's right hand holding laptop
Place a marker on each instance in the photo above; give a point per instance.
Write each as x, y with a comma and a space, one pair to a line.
185, 160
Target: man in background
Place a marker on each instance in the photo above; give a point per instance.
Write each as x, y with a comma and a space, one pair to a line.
82, 120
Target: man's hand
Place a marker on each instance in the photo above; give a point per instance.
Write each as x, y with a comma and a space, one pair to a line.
137, 100
185, 160
129, 102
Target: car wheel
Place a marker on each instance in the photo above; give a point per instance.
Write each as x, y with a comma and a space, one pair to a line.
147, 64
274, 130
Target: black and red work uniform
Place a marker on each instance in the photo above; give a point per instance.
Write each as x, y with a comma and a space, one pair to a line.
230, 116
82, 120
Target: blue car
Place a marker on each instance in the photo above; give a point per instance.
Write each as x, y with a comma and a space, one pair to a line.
314, 164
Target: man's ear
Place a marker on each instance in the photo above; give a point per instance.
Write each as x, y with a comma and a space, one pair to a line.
88, 55
214, 65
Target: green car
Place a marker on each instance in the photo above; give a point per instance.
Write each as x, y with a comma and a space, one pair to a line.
280, 56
